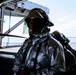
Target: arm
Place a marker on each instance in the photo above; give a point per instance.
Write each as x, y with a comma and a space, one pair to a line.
18, 63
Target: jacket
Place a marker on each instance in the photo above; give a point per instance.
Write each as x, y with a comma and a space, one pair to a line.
41, 55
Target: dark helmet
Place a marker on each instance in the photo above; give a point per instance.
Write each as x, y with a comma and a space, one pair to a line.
39, 16
37, 20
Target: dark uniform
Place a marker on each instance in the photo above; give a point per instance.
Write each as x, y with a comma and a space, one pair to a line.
41, 53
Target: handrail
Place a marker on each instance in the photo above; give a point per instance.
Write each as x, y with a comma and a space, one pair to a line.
12, 35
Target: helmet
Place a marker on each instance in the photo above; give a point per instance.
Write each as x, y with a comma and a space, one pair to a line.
37, 20
39, 16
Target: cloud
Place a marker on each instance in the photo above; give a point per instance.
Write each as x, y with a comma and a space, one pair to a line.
68, 28
64, 17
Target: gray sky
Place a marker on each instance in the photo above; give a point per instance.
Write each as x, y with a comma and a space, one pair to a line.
62, 14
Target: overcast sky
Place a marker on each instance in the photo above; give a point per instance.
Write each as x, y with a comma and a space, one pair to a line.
62, 14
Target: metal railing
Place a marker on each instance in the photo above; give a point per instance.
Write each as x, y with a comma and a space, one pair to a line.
12, 43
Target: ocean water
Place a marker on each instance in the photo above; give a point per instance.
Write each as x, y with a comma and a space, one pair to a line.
19, 41
12, 41
72, 39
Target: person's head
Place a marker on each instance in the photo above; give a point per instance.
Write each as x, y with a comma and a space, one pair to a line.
36, 20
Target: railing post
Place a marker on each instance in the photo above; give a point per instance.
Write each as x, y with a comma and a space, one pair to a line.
1, 22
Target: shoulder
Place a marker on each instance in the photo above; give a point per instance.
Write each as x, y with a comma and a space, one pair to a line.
54, 42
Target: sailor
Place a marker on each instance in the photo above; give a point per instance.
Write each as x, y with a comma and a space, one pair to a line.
41, 53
